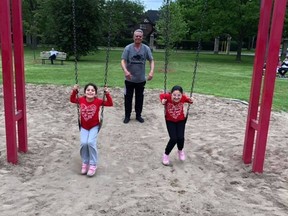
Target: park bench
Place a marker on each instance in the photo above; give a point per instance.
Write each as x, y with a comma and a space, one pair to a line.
44, 55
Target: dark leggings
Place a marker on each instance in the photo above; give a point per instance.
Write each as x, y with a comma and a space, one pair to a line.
176, 132
139, 97
52, 58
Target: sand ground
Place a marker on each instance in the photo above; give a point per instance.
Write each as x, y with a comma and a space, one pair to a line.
130, 180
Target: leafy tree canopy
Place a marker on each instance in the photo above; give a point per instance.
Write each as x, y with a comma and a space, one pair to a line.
58, 26
124, 15
171, 26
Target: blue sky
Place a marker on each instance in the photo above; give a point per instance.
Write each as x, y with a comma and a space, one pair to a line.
152, 4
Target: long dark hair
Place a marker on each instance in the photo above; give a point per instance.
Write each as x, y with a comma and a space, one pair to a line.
177, 88
91, 84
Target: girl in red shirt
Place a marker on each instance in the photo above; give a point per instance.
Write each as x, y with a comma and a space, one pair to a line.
90, 106
175, 121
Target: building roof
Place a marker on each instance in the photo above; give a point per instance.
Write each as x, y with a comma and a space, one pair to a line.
153, 16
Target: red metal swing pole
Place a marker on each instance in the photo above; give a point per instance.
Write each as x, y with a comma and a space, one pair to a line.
262, 40
11, 115
19, 74
277, 23
261, 123
8, 81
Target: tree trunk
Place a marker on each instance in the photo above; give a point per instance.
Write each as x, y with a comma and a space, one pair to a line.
228, 45
28, 40
216, 45
239, 49
34, 45
252, 43
284, 48
151, 42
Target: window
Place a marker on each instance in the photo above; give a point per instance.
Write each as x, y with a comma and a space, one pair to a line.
142, 26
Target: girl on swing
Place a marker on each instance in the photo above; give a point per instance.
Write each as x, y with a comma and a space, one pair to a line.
175, 121
89, 105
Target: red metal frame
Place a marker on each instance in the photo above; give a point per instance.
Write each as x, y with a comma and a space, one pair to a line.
267, 50
257, 119
19, 74
14, 113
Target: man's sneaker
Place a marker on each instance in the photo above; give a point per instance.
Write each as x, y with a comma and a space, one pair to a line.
165, 159
126, 120
84, 169
92, 170
140, 119
181, 155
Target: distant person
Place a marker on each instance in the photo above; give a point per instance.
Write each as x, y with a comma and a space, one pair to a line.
175, 121
90, 106
53, 55
284, 67
279, 64
133, 62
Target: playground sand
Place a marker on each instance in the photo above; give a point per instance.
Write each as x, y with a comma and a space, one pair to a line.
130, 180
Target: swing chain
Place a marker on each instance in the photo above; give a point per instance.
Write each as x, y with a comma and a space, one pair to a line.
75, 42
166, 41
108, 50
106, 65
197, 54
75, 57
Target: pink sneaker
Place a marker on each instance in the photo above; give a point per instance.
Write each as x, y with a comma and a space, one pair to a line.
165, 159
181, 155
92, 170
84, 168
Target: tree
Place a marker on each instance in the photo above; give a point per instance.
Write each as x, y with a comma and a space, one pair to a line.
236, 18
51, 22
58, 25
30, 26
125, 16
171, 25
285, 38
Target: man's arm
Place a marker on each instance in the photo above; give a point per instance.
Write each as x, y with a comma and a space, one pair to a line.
127, 74
151, 73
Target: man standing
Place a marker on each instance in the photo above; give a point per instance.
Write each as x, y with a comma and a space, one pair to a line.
133, 62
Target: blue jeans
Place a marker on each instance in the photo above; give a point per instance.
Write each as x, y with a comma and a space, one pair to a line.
88, 145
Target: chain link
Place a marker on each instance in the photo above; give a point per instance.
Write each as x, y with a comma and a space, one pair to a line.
197, 54
167, 44
75, 58
108, 48
166, 41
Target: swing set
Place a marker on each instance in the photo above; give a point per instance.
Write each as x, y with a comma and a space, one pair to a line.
76, 62
167, 18
13, 78
272, 14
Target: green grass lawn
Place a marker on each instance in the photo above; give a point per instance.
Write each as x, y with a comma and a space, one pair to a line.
218, 75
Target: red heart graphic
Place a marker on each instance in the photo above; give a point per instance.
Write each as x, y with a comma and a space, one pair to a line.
88, 111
